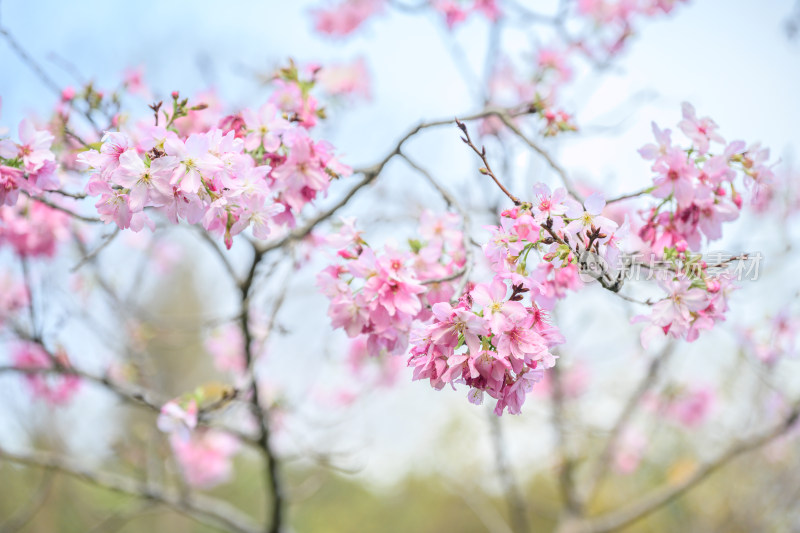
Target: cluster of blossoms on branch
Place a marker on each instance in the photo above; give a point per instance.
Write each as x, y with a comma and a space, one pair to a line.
205, 454
27, 164
380, 294
485, 336
256, 169
496, 337
696, 191
55, 389
775, 339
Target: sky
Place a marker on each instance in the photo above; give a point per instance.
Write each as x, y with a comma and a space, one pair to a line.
731, 59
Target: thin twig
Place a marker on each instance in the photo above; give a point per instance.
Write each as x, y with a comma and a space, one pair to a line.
261, 413
57, 207
565, 180
219, 253
370, 173
487, 169
629, 195
465, 221
91, 255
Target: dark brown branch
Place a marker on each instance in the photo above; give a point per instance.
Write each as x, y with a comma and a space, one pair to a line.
487, 169
259, 411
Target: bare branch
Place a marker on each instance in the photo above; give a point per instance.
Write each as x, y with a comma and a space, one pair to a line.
630, 195
566, 475
487, 169
604, 459
372, 172
516, 505
199, 508
465, 221
218, 251
91, 255
57, 207
662, 496
261, 413
506, 119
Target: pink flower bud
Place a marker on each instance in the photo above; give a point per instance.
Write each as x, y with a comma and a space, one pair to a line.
720, 191
681, 246
67, 94
175, 95
713, 285
737, 199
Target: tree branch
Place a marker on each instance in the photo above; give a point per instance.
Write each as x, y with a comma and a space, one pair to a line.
370, 173
605, 457
662, 496
199, 508
516, 505
565, 180
566, 476
465, 221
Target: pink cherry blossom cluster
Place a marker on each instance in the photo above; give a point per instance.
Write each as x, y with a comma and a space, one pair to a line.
687, 406
205, 455
455, 12
13, 296
621, 11
205, 458
562, 231
27, 165
697, 187
33, 229
380, 295
614, 22
257, 169
346, 79
694, 302
491, 340
776, 339
226, 346
697, 194
345, 16
54, 389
